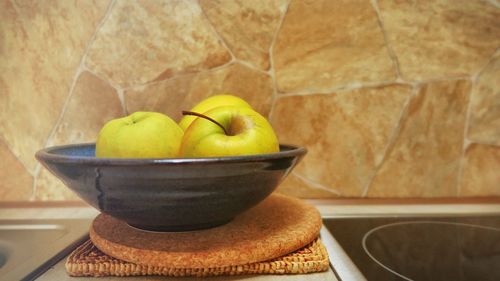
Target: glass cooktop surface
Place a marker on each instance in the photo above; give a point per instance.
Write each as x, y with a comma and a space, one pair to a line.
421, 248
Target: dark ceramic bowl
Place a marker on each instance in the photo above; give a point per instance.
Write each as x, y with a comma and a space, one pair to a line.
176, 194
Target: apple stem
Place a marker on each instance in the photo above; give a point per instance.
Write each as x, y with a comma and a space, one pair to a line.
185, 112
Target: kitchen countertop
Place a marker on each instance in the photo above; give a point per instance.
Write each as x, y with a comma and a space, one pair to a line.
328, 208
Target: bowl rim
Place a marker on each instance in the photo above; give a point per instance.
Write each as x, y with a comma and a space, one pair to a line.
47, 155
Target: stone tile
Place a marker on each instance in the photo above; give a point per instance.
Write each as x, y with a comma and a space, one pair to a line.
345, 133
480, 173
182, 93
484, 119
297, 187
16, 183
247, 27
40, 50
441, 38
325, 44
423, 161
50, 188
93, 103
144, 41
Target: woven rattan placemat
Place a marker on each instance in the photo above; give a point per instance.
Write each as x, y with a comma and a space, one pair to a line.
87, 260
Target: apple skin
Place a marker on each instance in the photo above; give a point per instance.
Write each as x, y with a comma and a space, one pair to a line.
209, 103
139, 135
249, 133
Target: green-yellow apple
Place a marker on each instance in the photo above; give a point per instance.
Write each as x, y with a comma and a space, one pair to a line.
209, 103
228, 131
140, 135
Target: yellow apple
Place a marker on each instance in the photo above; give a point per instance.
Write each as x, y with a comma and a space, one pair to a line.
209, 103
232, 131
139, 135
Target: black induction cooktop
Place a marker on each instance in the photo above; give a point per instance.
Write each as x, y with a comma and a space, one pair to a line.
421, 248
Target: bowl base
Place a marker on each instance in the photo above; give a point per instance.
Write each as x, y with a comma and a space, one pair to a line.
180, 228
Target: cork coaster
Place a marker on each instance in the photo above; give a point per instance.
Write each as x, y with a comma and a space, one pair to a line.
87, 260
277, 226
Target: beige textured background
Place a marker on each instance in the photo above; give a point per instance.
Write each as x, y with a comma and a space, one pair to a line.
392, 98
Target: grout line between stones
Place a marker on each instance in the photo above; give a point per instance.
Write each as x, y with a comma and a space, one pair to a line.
358, 85
251, 66
121, 96
38, 168
151, 83
466, 142
469, 142
30, 172
494, 3
392, 138
100, 77
342, 88
118, 90
272, 69
392, 53
495, 54
316, 185
442, 79
465, 146
217, 34
79, 70
2, 138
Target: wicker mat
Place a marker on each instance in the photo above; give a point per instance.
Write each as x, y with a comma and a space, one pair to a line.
87, 260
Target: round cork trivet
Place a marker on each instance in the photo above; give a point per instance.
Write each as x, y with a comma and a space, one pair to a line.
277, 226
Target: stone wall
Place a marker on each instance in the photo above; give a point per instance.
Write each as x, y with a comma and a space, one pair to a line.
392, 98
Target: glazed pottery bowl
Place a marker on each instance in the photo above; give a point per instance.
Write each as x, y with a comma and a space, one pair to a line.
175, 194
